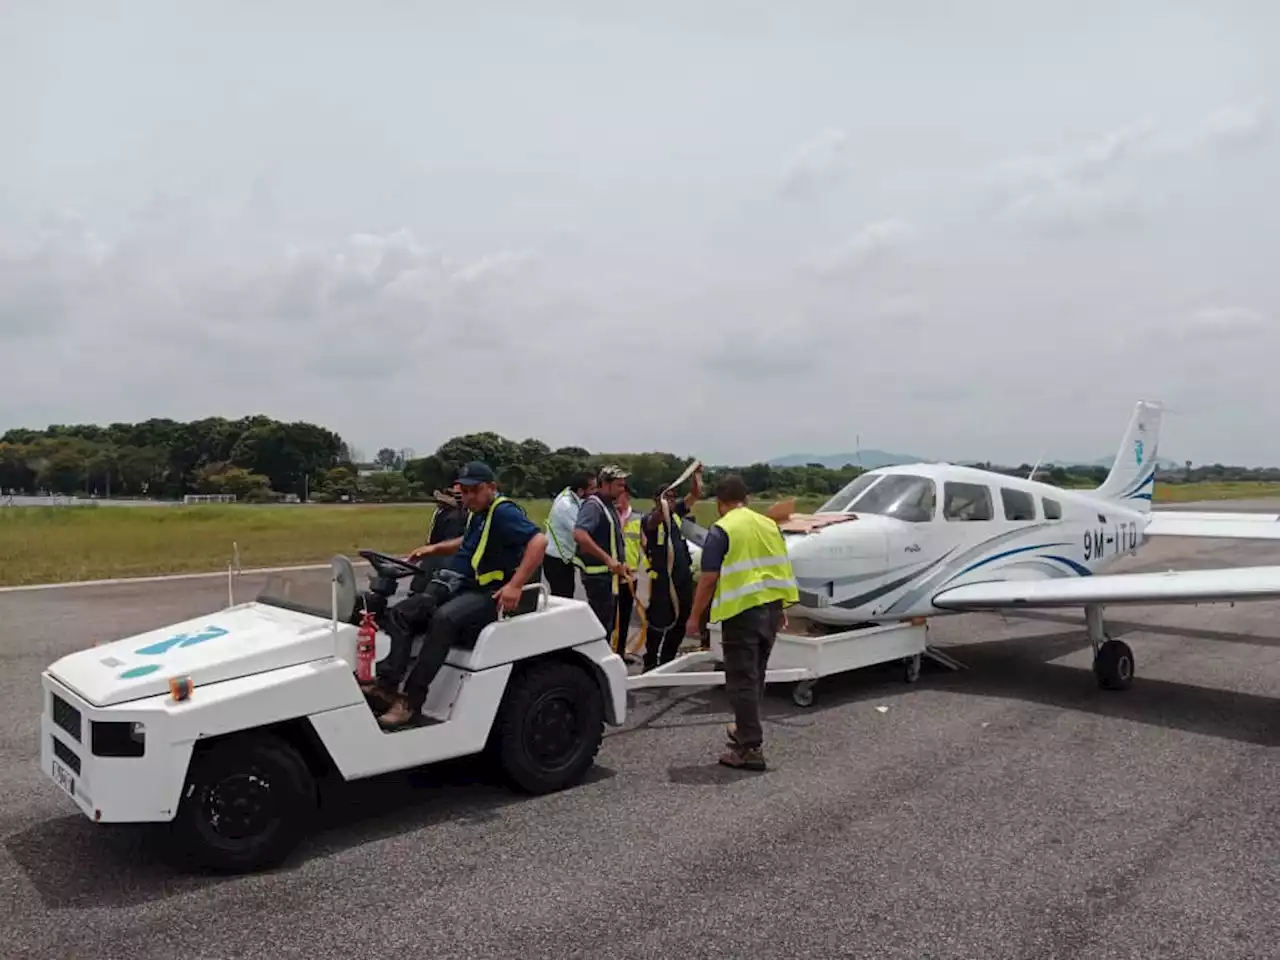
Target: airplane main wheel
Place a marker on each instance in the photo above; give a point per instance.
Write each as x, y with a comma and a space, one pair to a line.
1114, 665
549, 727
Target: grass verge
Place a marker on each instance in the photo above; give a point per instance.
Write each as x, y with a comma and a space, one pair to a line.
61, 544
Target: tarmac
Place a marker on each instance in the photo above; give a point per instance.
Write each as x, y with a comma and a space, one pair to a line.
1009, 810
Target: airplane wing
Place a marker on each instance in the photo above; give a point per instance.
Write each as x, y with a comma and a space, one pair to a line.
1225, 526
693, 533
1173, 586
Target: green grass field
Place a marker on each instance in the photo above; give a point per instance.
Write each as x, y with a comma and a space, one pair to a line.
60, 544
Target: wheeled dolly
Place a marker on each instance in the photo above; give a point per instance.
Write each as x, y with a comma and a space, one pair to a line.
803, 659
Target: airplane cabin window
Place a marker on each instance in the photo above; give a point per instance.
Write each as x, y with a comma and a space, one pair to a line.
1018, 504
901, 496
1052, 509
839, 503
967, 501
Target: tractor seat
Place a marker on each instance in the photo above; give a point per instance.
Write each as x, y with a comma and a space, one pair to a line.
461, 651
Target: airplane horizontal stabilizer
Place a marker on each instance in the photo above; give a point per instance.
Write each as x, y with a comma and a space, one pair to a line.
1172, 587
1223, 526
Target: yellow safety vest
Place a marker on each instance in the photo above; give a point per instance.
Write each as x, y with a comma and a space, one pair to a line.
756, 570
491, 576
631, 534
613, 538
573, 557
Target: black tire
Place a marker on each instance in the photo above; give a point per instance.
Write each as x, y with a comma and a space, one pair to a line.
1114, 666
549, 727
232, 775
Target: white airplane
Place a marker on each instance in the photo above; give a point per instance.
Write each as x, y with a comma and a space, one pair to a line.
924, 540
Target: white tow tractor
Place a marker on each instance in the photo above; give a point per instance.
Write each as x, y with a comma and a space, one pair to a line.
222, 726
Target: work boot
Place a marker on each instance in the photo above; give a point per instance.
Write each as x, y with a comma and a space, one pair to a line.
398, 714
743, 758
379, 695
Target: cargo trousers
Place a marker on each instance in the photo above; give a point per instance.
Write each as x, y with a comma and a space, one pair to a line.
747, 640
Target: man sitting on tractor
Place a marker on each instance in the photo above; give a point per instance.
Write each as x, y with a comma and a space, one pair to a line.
499, 552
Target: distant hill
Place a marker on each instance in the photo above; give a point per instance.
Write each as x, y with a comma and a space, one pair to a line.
871, 459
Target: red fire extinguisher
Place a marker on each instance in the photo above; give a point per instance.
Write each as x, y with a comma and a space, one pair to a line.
366, 645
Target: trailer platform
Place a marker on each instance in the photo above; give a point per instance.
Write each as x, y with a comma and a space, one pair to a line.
805, 655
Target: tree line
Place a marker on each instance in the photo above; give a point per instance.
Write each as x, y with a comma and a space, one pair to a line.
258, 458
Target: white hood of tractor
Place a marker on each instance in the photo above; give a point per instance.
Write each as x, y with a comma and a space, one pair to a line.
239, 641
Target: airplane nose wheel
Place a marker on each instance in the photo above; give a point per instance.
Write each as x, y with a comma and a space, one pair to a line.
1114, 666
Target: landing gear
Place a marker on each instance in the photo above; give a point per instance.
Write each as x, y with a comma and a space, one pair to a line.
1113, 662
911, 669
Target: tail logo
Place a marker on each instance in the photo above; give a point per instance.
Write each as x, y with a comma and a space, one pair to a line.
1137, 451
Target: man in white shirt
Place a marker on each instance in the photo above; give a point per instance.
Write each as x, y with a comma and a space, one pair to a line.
561, 558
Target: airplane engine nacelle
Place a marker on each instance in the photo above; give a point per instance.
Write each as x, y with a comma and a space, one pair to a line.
825, 559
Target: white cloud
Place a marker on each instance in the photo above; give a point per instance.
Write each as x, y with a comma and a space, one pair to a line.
1105, 182
818, 166
872, 244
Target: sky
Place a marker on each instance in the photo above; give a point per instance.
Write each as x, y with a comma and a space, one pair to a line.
730, 230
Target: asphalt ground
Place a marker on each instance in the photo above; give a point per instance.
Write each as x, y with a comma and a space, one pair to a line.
1011, 809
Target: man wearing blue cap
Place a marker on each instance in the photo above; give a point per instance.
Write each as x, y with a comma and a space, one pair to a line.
499, 551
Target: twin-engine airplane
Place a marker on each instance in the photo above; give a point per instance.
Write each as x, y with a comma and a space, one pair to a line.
905, 542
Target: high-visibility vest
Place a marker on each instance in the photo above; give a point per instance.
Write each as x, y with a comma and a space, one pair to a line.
572, 555
756, 569
489, 576
613, 538
631, 534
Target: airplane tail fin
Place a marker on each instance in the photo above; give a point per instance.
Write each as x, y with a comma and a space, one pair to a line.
1132, 479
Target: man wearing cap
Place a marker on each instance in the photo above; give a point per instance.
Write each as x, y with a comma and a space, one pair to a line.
411, 616
498, 553
602, 549
448, 523
562, 550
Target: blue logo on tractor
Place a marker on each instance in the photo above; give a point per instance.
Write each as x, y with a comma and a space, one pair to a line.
1137, 451
161, 647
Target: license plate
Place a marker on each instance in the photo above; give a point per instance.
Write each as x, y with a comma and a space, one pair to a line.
64, 779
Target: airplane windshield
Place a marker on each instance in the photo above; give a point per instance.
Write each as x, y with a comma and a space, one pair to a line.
901, 496
852, 489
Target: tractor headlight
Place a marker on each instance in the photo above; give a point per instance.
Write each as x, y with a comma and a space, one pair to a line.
117, 738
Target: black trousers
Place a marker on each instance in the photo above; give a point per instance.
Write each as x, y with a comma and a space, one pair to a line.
457, 622
601, 599
747, 640
666, 619
560, 576
404, 622
626, 607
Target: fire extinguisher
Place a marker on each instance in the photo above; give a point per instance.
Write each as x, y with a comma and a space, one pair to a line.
366, 640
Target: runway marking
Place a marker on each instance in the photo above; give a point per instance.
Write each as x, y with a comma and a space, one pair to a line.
166, 578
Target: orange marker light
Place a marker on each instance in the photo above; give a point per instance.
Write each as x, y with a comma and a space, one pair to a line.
180, 688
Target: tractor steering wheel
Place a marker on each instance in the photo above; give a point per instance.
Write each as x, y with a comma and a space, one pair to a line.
388, 566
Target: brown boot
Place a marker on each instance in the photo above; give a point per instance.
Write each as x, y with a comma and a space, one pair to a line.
380, 695
398, 714
743, 758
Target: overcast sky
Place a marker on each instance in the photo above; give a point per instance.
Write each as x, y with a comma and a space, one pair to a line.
754, 229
